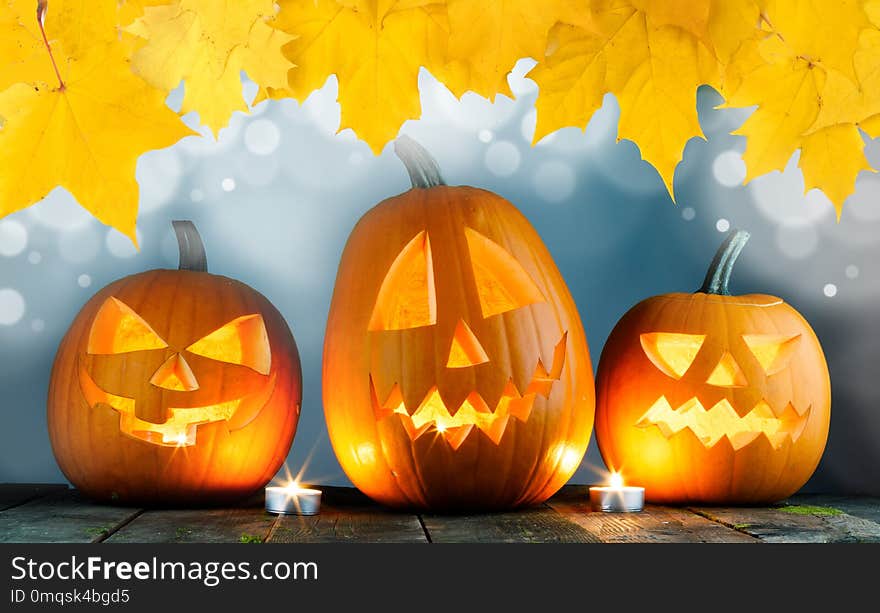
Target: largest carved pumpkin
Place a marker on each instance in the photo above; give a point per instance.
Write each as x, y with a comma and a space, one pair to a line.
456, 370
174, 386
713, 398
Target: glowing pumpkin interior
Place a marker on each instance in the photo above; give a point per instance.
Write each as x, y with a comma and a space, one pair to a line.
674, 354
119, 330
407, 299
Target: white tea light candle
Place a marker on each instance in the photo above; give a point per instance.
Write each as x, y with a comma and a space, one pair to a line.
616, 497
292, 500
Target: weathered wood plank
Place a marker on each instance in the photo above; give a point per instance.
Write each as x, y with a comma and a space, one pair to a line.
347, 516
653, 525
51, 513
14, 494
62, 517
247, 523
774, 525
857, 506
534, 525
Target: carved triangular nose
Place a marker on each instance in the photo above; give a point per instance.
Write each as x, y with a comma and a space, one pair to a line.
727, 373
176, 375
465, 349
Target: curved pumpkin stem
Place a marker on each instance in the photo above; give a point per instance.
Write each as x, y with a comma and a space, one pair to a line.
192, 250
421, 166
718, 276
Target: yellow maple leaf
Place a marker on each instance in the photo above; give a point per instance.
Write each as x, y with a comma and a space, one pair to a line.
487, 39
846, 100
130, 10
206, 45
653, 55
375, 48
22, 52
804, 77
831, 158
80, 121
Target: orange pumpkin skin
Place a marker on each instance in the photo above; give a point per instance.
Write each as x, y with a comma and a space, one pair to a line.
654, 421
377, 379
97, 391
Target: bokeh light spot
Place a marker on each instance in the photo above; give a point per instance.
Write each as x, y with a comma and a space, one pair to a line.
262, 137
13, 238
12, 307
729, 169
502, 158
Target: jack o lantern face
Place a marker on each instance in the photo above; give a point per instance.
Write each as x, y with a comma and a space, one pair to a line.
709, 398
162, 391
744, 368
406, 313
456, 373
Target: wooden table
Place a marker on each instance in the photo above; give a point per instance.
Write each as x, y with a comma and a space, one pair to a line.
54, 513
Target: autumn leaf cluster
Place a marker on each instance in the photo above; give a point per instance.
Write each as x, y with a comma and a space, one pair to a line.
83, 84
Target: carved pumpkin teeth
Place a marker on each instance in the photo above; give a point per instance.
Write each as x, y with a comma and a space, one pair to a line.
723, 421
456, 436
432, 412
180, 429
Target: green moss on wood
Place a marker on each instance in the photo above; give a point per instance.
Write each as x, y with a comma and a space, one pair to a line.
805, 509
250, 538
741, 526
97, 531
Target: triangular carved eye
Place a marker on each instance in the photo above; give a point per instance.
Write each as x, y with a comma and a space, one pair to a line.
670, 352
242, 341
502, 283
118, 329
773, 351
407, 298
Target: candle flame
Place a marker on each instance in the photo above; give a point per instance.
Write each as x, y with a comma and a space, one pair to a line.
615, 480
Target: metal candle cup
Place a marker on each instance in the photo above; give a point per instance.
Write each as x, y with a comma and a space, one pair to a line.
292, 500
619, 499
616, 497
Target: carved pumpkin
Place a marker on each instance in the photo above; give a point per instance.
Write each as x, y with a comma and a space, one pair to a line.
456, 370
174, 386
713, 398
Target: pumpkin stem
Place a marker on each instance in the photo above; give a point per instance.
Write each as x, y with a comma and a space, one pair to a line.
718, 276
421, 166
192, 250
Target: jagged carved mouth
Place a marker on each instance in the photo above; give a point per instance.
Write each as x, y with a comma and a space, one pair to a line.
455, 426
180, 429
721, 421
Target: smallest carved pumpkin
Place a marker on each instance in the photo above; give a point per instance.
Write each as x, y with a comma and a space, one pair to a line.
174, 386
713, 398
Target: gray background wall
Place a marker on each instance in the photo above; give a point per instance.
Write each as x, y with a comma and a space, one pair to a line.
276, 196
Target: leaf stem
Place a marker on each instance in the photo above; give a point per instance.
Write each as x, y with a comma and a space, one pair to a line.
42, 6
